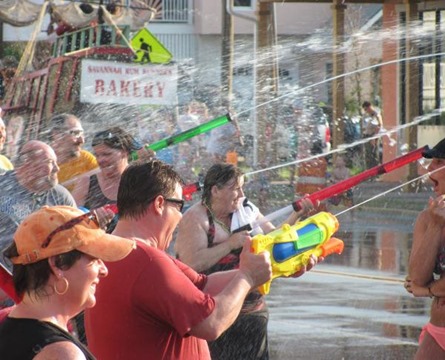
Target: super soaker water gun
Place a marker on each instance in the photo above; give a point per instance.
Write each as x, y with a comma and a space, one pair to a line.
347, 184
290, 247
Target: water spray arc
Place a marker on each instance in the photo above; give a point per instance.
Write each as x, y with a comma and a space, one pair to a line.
418, 120
333, 78
425, 56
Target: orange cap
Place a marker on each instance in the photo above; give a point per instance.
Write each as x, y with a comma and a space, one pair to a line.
57, 230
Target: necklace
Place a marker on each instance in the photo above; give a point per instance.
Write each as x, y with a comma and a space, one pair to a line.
215, 219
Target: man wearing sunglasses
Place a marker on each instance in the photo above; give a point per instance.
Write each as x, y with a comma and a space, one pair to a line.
67, 138
152, 305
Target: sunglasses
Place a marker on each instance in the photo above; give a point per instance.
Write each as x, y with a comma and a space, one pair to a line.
107, 138
70, 224
179, 202
75, 133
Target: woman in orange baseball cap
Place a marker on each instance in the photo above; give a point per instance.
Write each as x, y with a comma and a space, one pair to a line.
58, 258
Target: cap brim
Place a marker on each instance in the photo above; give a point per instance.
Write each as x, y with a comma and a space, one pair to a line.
108, 247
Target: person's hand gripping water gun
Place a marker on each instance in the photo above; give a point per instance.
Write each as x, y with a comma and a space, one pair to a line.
291, 246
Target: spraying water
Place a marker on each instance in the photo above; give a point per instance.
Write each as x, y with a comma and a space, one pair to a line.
98, 117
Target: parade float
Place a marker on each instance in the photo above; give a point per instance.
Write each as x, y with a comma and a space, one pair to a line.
100, 54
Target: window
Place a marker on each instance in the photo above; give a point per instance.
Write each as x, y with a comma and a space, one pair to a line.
243, 3
173, 11
432, 69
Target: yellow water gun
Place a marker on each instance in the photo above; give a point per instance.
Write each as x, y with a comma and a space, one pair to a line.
291, 246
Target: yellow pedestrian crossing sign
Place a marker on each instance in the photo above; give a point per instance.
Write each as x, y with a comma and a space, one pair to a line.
148, 49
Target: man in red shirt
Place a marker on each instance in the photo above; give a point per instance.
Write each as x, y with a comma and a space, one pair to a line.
152, 305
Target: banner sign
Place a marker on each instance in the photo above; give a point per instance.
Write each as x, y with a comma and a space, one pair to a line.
127, 83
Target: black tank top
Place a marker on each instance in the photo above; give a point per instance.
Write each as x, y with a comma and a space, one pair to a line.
23, 339
96, 197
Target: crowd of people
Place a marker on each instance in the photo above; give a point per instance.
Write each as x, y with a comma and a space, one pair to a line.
71, 270
136, 298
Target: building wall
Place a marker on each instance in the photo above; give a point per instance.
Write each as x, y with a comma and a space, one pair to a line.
294, 18
302, 57
207, 17
391, 84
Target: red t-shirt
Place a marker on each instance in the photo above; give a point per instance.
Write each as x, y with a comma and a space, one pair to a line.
145, 308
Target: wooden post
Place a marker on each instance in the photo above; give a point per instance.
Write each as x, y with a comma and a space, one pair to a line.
2, 52
338, 85
227, 53
412, 80
266, 78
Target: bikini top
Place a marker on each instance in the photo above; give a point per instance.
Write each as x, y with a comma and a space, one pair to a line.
254, 300
228, 262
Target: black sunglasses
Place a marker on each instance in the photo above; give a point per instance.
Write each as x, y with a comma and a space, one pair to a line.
180, 202
107, 138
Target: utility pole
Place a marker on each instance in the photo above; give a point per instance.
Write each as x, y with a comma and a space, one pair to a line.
338, 84
266, 76
228, 39
412, 108
2, 53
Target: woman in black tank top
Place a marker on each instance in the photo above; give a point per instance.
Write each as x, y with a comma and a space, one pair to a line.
113, 148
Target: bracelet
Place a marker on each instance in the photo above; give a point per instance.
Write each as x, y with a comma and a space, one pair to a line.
430, 292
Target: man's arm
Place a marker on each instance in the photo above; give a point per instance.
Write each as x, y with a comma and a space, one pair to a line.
61, 196
231, 289
380, 119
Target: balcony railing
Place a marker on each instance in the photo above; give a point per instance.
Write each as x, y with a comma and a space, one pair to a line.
174, 11
101, 35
